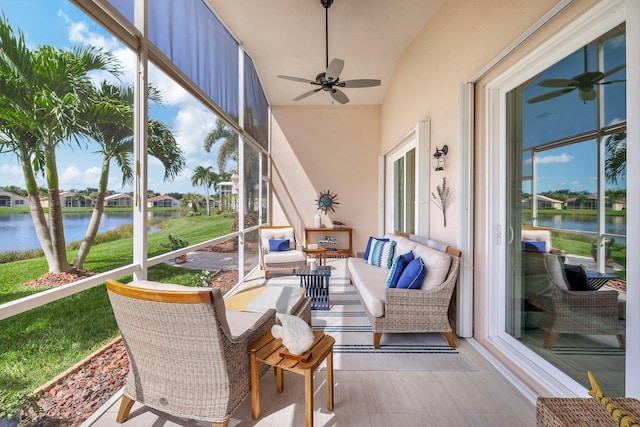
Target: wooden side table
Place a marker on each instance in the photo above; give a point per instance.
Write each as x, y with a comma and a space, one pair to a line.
320, 253
268, 350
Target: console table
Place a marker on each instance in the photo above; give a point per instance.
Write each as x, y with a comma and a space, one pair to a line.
343, 236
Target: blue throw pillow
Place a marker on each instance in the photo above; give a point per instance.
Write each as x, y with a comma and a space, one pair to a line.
413, 275
399, 264
372, 240
279, 245
535, 246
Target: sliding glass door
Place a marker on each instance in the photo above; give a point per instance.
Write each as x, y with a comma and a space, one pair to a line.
565, 266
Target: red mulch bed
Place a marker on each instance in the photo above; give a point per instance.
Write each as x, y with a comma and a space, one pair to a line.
76, 396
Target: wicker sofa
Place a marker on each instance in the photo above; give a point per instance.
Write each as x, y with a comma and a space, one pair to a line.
409, 310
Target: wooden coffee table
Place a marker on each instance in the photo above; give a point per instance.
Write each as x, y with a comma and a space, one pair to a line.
268, 350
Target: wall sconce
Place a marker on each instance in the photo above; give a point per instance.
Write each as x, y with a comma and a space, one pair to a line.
438, 161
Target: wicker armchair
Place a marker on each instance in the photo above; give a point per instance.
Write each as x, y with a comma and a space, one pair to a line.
281, 260
188, 358
566, 311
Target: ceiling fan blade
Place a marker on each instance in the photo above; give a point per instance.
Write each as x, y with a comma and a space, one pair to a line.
334, 69
613, 70
359, 83
339, 96
549, 95
558, 82
609, 82
304, 95
297, 79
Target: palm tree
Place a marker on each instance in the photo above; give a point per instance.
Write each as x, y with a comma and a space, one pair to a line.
229, 152
229, 147
205, 177
111, 126
191, 200
615, 167
43, 94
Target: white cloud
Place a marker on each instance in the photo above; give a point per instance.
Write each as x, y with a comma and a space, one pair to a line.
172, 92
192, 124
72, 177
11, 174
559, 158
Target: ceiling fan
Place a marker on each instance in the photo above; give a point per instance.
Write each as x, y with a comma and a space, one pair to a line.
583, 82
329, 80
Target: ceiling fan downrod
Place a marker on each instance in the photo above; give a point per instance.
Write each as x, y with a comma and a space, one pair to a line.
326, 4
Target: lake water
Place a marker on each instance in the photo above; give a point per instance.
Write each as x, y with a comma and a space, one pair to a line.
613, 224
18, 234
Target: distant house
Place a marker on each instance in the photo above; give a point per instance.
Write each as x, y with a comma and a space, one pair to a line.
163, 201
118, 200
12, 200
590, 201
70, 199
544, 202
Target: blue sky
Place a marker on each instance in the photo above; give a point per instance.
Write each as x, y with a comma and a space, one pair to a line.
59, 23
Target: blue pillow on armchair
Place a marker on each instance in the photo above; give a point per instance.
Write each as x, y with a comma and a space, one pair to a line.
279, 245
534, 246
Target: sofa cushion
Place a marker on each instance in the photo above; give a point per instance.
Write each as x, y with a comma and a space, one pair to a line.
370, 241
282, 257
413, 275
371, 284
240, 321
285, 299
403, 245
399, 264
381, 253
437, 264
279, 245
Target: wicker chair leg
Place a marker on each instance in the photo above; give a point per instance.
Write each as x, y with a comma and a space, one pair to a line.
376, 339
225, 423
549, 339
450, 339
125, 407
266, 274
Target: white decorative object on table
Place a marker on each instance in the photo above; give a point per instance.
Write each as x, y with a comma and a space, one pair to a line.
313, 266
296, 334
317, 221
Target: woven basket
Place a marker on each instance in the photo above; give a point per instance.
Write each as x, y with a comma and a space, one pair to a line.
583, 412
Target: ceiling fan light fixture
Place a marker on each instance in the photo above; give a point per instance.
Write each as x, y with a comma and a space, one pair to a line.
587, 95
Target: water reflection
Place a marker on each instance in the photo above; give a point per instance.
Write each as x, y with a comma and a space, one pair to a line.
18, 234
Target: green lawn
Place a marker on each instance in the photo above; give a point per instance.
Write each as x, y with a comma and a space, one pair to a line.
41, 343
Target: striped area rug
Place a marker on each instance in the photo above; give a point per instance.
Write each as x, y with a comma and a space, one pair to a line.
347, 322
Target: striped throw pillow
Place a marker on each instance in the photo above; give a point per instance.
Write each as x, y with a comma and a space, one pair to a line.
381, 254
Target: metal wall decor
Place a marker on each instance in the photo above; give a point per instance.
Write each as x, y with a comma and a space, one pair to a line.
327, 201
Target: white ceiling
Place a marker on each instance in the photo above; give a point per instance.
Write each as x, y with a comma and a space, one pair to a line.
288, 37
